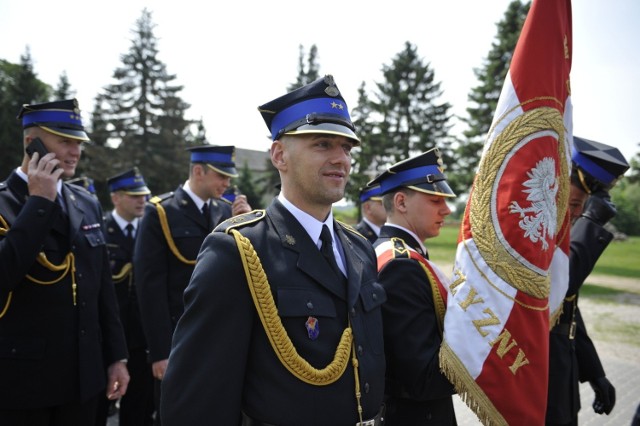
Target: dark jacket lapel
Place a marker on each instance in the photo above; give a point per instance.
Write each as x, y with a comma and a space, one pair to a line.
295, 238
353, 262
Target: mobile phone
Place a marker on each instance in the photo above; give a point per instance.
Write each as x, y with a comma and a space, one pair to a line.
37, 145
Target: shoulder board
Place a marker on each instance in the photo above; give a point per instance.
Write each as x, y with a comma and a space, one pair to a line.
350, 228
224, 200
3, 186
400, 248
240, 221
160, 198
79, 189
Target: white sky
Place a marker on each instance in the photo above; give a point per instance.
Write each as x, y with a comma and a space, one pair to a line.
233, 56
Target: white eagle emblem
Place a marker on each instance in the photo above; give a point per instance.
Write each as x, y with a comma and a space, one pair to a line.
542, 188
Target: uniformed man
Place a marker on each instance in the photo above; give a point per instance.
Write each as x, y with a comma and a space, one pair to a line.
59, 324
170, 235
282, 322
129, 192
414, 194
373, 213
596, 167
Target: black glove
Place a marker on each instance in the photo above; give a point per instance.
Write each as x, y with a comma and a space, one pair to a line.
605, 395
599, 208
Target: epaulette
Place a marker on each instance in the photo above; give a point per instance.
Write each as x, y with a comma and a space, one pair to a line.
351, 229
400, 248
81, 188
160, 198
3, 186
240, 220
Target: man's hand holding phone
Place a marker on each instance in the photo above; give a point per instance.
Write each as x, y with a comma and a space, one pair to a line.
42, 170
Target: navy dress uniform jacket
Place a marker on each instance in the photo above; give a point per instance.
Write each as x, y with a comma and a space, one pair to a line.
51, 351
121, 253
417, 391
222, 363
160, 276
364, 228
574, 360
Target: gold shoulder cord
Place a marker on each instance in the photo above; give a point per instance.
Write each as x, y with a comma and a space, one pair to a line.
280, 341
124, 273
167, 234
68, 265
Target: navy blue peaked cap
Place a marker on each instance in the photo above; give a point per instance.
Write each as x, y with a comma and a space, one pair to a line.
131, 182
219, 158
596, 165
423, 173
61, 118
370, 193
317, 107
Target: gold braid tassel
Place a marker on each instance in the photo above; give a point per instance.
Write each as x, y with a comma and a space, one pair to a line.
67, 265
280, 341
124, 273
164, 223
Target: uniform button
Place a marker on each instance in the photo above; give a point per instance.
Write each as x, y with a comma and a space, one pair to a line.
309, 305
79, 275
82, 332
73, 247
366, 387
353, 312
83, 304
40, 212
14, 351
360, 350
374, 296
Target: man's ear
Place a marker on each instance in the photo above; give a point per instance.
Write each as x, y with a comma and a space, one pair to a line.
278, 155
399, 202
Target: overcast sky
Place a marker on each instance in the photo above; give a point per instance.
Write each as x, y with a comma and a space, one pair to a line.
233, 56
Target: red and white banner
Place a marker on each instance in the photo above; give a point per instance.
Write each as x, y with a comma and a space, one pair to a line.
511, 270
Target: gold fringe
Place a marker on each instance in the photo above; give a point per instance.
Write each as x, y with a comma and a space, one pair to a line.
466, 387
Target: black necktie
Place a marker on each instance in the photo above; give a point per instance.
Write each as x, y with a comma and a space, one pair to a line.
205, 213
129, 233
327, 249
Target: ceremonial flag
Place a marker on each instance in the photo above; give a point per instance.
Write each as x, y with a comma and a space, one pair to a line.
514, 240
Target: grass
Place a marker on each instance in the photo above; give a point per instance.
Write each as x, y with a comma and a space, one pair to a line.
620, 258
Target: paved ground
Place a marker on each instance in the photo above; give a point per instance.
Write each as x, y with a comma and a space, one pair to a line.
614, 326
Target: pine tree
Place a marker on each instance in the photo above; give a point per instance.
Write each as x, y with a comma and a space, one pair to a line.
19, 85
63, 90
247, 186
484, 97
311, 73
139, 120
411, 119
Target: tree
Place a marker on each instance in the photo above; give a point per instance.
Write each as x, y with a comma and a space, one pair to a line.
19, 85
247, 186
63, 90
311, 73
484, 97
368, 157
409, 118
139, 119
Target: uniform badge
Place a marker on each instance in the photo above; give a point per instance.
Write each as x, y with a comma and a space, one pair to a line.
313, 327
290, 240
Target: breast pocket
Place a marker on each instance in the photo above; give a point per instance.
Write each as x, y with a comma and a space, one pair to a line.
305, 303
188, 240
95, 238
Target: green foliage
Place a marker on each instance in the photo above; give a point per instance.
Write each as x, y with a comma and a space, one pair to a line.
19, 85
626, 196
403, 119
139, 120
312, 71
484, 97
442, 249
247, 186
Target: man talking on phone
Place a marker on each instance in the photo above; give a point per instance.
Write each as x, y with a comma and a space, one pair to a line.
59, 323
